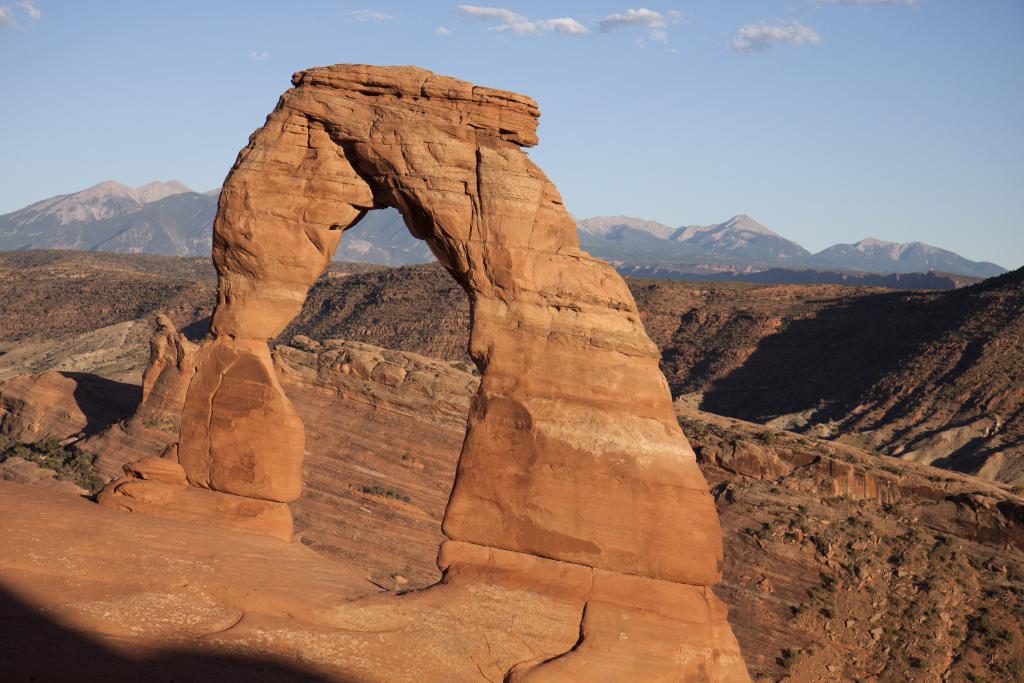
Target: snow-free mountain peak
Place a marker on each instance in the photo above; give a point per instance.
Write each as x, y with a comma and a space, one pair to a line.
101, 201
603, 225
746, 223
874, 255
165, 217
156, 190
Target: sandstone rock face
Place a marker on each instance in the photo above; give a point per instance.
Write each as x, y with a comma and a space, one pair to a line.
171, 364
191, 504
157, 419
572, 451
61, 405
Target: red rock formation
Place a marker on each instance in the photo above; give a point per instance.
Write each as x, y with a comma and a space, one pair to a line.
60, 405
572, 458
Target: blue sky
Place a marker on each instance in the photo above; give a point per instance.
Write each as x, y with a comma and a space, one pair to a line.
828, 121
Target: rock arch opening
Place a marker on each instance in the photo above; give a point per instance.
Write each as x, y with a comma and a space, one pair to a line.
381, 237
574, 476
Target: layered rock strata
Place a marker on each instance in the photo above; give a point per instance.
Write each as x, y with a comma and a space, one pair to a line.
572, 453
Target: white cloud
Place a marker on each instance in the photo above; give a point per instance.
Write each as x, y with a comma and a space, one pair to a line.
368, 15
642, 17
760, 37
503, 15
6, 18
442, 31
632, 17
564, 25
257, 56
32, 11
869, 3
510, 22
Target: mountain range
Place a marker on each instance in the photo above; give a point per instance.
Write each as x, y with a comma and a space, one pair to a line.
741, 244
168, 218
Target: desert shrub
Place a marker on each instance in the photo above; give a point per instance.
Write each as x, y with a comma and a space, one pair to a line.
385, 493
65, 461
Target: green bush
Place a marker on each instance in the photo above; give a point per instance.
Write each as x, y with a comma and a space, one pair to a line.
385, 493
66, 462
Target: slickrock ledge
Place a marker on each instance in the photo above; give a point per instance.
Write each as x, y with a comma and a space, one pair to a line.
572, 451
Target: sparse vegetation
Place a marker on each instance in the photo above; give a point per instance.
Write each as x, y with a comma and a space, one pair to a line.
788, 659
66, 462
382, 492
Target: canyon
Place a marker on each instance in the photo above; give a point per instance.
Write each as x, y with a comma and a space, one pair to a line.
573, 494
515, 503
840, 564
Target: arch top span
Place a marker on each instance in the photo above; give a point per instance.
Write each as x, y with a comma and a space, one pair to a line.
501, 113
572, 451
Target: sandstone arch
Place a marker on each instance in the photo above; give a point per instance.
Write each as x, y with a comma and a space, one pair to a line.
573, 463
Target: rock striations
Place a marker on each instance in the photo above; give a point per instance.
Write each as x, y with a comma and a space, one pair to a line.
574, 479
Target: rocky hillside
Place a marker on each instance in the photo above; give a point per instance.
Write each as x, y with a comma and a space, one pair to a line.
792, 276
415, 308
929, 376
92, 311
933, 377
840, 564
46, 295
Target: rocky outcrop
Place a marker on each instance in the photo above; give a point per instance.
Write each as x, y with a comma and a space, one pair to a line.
61, 405
572, 450
394, 381
159, 485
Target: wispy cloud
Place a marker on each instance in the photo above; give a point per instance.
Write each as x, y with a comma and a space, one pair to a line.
632, 17
442, 31
258, 56
870, 3
511, 22
368, 15
33, 12
655, 22
8, 19
760, 37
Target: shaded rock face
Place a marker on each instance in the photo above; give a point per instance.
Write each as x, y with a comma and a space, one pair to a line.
62, 404
572, 451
